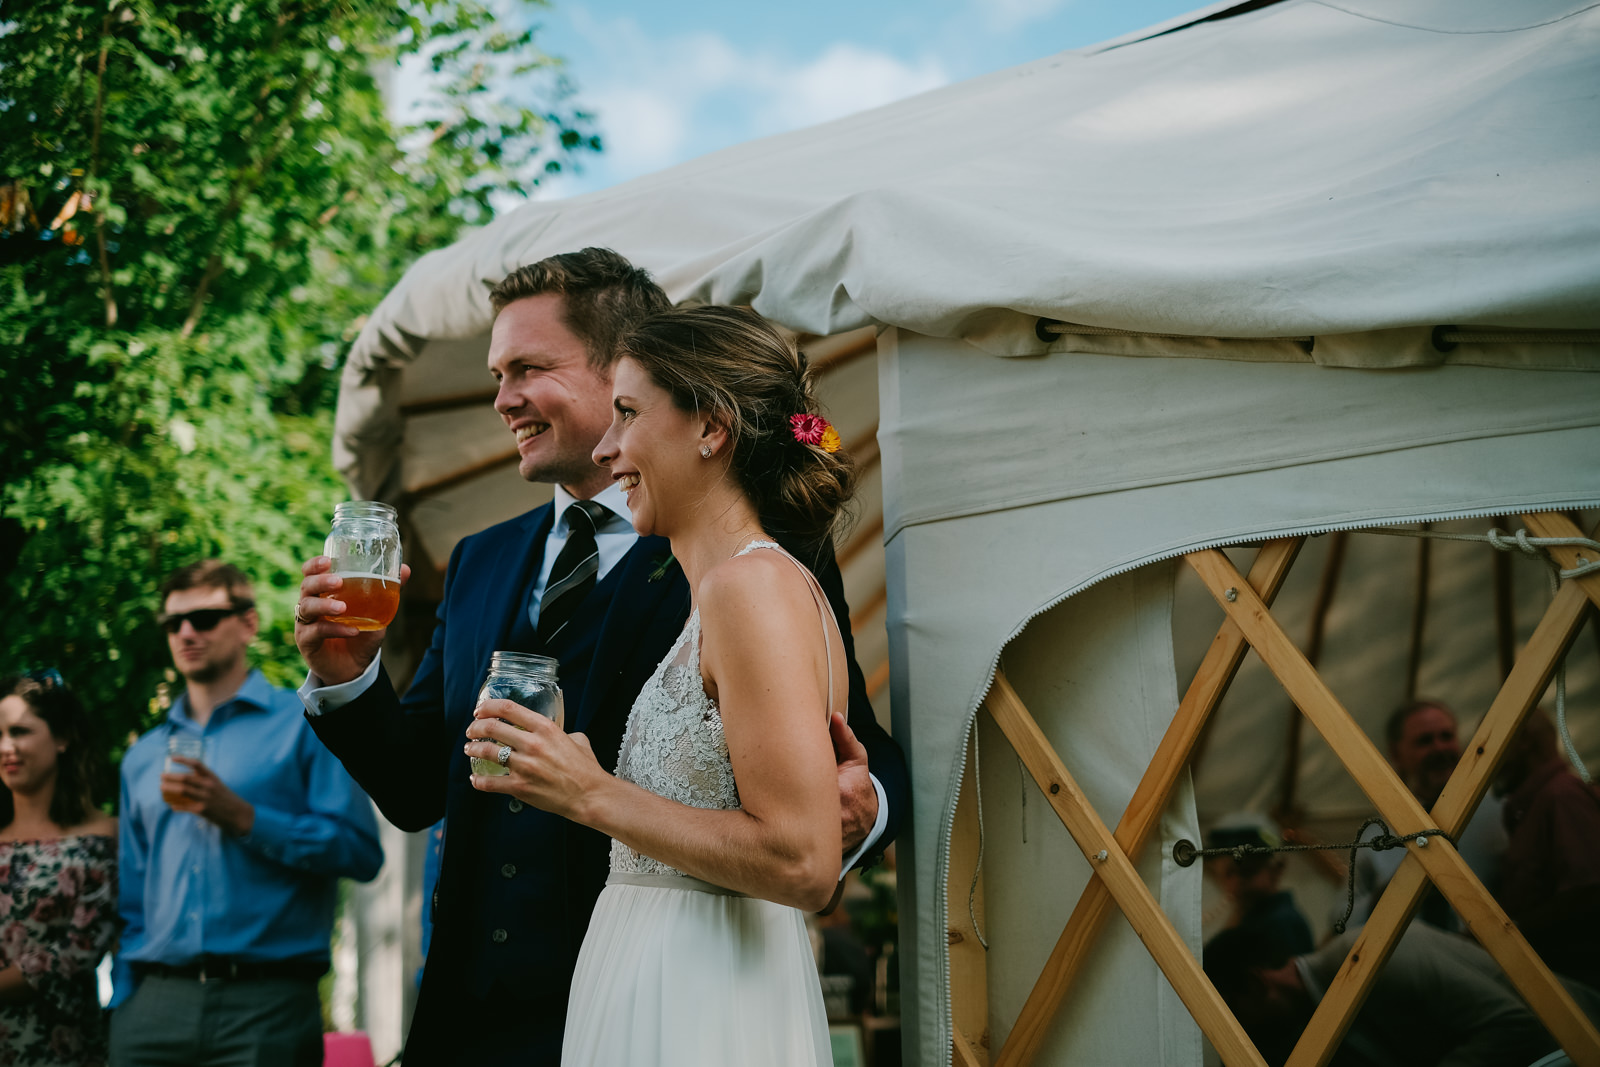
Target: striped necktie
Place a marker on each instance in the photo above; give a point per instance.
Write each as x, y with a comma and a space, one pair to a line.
575, 569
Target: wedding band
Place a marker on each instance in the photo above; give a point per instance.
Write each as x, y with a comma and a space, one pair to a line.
505, 755
299, 618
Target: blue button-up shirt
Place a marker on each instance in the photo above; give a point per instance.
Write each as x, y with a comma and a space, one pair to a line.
188, 889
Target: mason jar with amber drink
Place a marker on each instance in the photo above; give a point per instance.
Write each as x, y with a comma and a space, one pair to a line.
187, 746
364, 546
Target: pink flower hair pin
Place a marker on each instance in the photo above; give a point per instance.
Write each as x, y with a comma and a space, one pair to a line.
814, 430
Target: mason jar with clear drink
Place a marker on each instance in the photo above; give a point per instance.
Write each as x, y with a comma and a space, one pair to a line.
364, 546
523, 679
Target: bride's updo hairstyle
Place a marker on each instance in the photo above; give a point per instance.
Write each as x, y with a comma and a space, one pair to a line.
731, 364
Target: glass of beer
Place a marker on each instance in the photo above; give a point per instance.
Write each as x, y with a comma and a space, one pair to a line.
364, 545
189, 747
527, 680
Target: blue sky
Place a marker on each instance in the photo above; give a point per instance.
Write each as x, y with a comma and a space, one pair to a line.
670, 82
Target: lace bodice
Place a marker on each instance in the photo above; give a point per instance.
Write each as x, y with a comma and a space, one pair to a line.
673, 745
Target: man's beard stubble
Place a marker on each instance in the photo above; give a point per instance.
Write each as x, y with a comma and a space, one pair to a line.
209, 671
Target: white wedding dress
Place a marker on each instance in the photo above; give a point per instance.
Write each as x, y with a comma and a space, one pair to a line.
675, 972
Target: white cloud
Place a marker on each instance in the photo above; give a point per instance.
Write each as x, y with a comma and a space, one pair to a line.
1007, 15
847, 78
643, 130
660, 101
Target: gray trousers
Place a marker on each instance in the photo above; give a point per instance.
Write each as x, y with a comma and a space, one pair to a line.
183, 1022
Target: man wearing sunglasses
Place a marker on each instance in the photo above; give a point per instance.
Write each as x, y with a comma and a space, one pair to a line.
236, 826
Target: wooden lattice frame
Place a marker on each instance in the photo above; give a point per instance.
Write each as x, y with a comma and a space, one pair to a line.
1249, 623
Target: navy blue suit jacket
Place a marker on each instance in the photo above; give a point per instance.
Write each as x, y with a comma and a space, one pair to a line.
517, 885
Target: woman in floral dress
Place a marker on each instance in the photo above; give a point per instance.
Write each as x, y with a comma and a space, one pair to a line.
58, 879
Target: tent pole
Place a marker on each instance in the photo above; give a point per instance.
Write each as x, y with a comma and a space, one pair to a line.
1143, 813
1505, 622
1288, 800
1117, 872
1419, 612
1437, 856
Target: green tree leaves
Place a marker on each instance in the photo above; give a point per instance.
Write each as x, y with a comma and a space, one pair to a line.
199, 202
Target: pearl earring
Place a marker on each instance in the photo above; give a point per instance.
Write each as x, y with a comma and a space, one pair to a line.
705, 450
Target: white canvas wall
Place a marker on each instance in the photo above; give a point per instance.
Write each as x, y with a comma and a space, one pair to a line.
962, 588
1073, 669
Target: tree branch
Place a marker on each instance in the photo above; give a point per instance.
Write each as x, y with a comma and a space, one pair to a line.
236, 201
94, 167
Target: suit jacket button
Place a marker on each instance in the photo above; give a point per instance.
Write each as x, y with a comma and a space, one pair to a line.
498, 937
508, 871
515, 805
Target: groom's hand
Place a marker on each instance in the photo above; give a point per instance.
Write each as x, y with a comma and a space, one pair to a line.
858, 800
336, 653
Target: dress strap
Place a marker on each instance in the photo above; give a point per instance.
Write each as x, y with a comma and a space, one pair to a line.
824, 610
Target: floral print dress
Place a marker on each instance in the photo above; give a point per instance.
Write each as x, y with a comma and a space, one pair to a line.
58, 916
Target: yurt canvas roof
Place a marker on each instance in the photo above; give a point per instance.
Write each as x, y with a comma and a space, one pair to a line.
1312, 168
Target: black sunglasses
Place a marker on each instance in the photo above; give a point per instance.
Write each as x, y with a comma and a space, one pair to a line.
203, 620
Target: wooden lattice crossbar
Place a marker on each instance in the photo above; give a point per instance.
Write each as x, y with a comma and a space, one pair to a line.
1249, 623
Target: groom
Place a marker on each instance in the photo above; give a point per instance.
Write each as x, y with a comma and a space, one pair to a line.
570, 580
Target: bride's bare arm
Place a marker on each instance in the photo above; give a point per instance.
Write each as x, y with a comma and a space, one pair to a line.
765, 661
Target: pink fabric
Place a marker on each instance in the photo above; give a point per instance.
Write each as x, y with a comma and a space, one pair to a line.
346, 1050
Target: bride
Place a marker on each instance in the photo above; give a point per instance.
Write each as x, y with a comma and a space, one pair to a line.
724, 809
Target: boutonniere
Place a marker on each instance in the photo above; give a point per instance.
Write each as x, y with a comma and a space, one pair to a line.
663, 562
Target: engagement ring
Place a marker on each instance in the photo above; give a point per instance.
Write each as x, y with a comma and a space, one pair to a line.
505, 755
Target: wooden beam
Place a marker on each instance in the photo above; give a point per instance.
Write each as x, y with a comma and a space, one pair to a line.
1555, 524
962, 1054
877, 679
1401, 810
455, 478
1419, 612
1117, 872
1505, 622
478, 398
843, 356
1530, 674
1143, 814
969, 960
863, 447
865, 537
869, 607
1332, 567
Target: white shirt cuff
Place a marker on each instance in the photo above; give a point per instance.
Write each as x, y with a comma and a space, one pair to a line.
320, 699
878, 825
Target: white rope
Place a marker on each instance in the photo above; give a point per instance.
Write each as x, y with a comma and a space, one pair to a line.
977, 868
1561, 707
1517, 542
1535, 548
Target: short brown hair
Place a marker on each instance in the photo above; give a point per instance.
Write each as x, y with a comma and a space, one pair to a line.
603, 296
211, 574
735, 366
1395, 727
